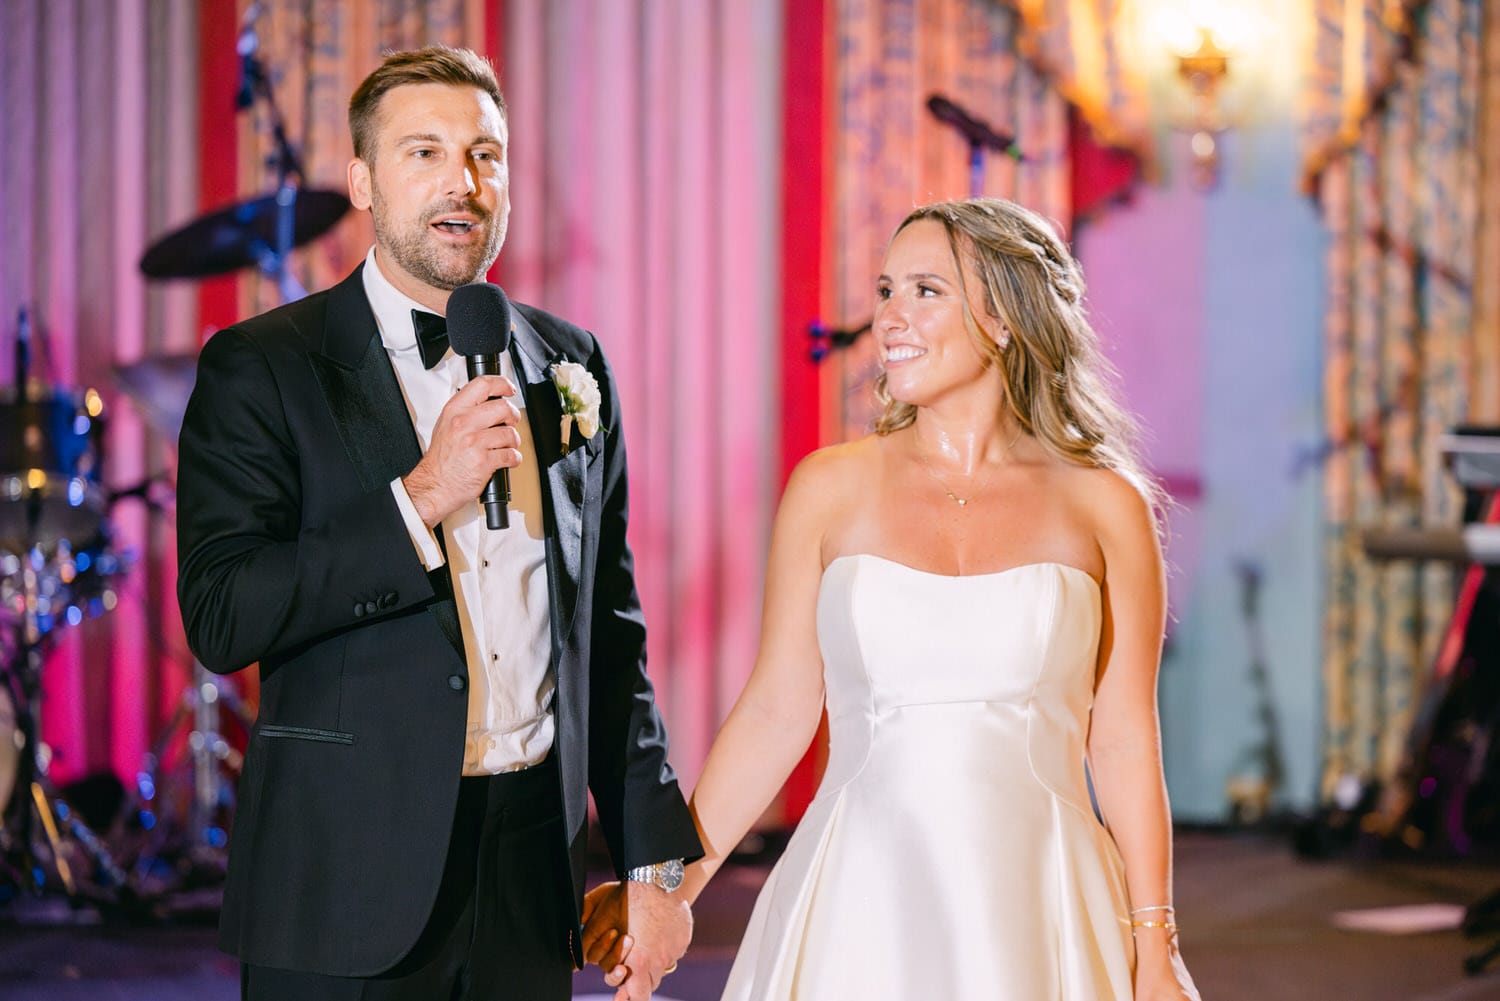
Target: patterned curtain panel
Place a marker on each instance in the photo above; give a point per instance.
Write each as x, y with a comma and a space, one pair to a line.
1357, 46
1486, 403
1402, 207
891, 154
1084, 47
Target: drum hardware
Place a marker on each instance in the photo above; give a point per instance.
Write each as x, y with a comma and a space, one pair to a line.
182, 797
48, 834
185, 837
55, 568
261, 231
247, 233
160, 386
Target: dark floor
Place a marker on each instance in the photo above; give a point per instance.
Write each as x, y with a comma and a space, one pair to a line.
1256, 925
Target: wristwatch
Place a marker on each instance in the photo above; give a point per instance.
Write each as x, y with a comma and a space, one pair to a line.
667, 875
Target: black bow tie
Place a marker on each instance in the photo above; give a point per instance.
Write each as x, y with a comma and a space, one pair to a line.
432, 336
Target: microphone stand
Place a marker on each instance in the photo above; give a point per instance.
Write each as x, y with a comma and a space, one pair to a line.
980, 136
274, 260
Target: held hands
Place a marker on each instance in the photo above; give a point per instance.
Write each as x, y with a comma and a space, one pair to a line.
474, 436
635, 932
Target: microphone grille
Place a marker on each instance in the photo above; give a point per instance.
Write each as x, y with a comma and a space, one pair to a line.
478, 319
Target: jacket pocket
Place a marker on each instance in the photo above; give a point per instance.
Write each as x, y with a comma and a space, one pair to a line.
305, 733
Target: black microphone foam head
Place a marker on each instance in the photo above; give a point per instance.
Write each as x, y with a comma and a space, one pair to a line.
478, 320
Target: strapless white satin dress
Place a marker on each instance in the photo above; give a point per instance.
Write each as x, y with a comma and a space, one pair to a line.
951, 852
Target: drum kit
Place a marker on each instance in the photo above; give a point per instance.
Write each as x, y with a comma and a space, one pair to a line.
56, 567
59, 565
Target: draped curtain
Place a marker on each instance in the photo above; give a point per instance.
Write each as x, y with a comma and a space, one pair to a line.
98, 100
1358, 45
645, 179
890, 154
1089, 50
1395, 151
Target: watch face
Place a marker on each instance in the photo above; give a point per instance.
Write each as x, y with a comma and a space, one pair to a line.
669, 874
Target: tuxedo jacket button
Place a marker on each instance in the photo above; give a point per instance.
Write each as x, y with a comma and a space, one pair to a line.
359, 609
371, 608
388, 600
456, 682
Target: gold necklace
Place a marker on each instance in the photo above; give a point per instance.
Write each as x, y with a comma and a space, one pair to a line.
978, 487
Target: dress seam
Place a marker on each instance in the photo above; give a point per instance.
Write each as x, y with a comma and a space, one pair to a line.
1036, 683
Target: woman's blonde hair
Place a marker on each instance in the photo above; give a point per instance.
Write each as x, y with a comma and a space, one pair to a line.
1057, 381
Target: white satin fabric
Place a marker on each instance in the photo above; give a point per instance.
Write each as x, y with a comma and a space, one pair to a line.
951, 851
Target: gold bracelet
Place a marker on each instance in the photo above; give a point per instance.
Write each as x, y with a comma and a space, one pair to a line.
1168, 925
1153, 907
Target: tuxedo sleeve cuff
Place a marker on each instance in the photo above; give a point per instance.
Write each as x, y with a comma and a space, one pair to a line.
422, 538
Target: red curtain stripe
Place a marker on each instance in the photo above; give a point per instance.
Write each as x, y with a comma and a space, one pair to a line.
804, 208
218, 143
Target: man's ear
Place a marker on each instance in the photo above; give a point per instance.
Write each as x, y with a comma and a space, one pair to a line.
360, 194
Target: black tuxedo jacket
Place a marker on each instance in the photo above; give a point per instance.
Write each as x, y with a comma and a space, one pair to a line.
293, 554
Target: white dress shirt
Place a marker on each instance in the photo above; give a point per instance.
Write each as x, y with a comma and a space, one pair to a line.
499, 577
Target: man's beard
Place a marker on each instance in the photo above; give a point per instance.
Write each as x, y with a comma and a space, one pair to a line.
413, 250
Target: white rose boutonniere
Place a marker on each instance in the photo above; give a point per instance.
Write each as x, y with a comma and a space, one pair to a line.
578, 391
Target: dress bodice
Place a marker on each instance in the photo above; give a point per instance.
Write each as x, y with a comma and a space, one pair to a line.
954, 812
1020, 644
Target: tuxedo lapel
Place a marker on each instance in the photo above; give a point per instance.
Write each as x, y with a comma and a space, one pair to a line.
563, 475
370, 413
362, 390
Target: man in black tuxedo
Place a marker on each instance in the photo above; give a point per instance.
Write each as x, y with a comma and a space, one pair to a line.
437, 698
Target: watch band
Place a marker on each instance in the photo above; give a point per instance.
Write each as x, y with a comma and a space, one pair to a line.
666, 875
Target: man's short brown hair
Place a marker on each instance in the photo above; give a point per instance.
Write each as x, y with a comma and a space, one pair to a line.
434, 64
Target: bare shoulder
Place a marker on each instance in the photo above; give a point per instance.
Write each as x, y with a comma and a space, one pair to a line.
830, 476
1113, 503
825, 490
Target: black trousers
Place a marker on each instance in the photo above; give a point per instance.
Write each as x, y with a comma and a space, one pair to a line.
501, 927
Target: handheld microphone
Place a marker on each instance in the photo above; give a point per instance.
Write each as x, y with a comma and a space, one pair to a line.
479, 329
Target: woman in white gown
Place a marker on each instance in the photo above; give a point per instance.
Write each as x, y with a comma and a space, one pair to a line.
976, 593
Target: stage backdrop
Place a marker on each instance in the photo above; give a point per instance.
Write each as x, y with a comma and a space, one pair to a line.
646, 174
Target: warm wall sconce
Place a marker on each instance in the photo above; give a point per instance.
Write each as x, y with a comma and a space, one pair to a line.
1203, 38
1204, 70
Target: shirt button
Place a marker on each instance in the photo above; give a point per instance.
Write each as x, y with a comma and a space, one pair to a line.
456, 682
486, 562
494, 656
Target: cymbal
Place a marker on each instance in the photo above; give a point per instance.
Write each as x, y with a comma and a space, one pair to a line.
160, 387
238, 235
